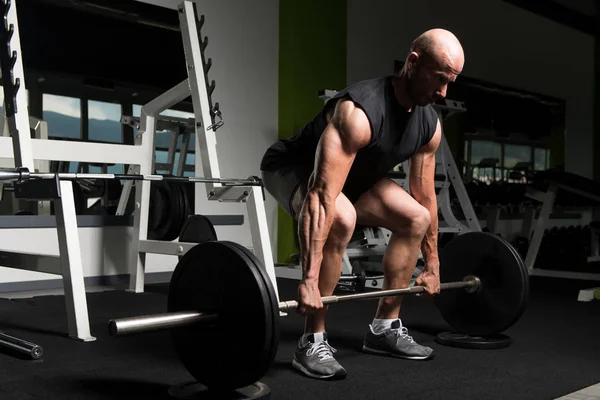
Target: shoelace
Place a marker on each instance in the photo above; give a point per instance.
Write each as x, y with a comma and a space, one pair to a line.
323, 350
403, 333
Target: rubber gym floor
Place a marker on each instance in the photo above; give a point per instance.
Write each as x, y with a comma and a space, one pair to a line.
555, 352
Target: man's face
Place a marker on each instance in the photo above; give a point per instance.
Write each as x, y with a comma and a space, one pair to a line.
428, 80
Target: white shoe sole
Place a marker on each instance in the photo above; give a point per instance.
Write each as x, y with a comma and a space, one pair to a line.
373, 351
301, 368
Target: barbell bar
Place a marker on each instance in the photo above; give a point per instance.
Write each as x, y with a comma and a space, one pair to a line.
23, 174
222, 304
149, 323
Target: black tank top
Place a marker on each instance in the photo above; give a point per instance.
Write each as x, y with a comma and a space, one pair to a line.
396, 135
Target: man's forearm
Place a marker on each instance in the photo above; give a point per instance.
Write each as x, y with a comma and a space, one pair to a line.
429, 246
314, 225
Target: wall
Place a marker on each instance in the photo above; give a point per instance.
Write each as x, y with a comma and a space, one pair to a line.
312, 57
503, 44
243, 45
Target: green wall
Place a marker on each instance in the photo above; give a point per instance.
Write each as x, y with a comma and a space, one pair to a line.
312, 56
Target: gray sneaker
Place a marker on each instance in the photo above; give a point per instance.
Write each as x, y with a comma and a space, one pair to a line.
316, 360
395, 342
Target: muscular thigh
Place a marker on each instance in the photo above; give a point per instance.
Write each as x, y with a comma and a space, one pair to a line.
388, 205
345, 214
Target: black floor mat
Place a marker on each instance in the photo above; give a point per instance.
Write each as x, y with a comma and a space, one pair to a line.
555, 351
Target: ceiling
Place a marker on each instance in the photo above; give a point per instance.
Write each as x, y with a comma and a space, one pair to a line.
583, 6
576, 14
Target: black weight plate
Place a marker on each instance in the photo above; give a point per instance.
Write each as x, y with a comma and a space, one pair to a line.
271, 351
197, 229
155, 207
502, 297
237, 349
463, 341
79, 198
161, 206
179, 216
113, 189
175, 212
189, 206
185, 207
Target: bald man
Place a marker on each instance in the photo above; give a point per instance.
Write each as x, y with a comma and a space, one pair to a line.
331, 176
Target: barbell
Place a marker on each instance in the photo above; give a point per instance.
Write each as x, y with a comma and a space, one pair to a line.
222, 305
23, 174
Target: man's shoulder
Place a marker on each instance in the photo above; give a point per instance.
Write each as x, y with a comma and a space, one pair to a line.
369, 84
429, 113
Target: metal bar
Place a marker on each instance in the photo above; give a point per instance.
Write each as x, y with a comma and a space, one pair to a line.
149, 323
48, 264
66, 150
459, 187
466, 284
206, 141
540, 226
13, 76
168, 99
29, 349
171, 153
72, 266
163, 247
259, 230
22, 175
185, 142
145, 139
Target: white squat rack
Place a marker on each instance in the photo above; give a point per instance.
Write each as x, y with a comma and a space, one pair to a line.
197, 87
140, 157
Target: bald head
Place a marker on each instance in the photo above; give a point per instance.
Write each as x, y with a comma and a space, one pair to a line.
441, 47
435, 59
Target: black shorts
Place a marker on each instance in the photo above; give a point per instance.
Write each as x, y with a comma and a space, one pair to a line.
283, 183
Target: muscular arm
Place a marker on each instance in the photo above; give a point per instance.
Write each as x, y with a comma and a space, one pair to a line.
422, 188
347, 131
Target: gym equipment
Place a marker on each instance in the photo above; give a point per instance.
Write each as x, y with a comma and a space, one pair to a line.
139, 157
22, 174
197, 229
20, 346
549, 247
218, 287
168, 211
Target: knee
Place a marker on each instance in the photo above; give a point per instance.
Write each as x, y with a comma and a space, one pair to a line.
343, 225
419, 222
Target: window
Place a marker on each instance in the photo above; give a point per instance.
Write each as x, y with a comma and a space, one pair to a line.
63, 115
104, 122
512, 153
541, 159
163, 141
482, 149
163, 138
112, 169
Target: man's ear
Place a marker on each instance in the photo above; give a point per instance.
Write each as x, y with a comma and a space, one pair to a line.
411, 60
